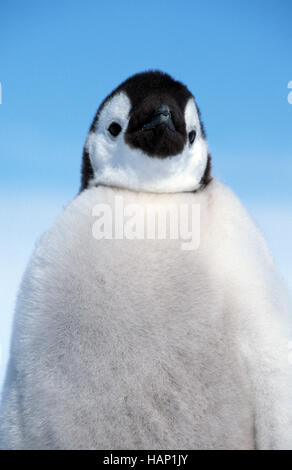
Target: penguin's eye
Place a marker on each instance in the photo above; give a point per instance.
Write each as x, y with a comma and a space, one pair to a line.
192, 136
114, 129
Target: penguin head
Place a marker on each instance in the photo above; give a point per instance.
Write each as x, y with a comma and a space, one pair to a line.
147, 135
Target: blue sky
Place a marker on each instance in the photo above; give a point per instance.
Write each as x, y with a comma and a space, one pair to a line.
59, 59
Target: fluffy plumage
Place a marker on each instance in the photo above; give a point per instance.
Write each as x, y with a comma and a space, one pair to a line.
138, 344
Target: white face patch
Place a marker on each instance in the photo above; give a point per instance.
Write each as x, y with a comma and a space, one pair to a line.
116, 164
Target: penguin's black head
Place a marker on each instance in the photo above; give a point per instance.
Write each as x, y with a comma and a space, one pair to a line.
156, 124
147, 135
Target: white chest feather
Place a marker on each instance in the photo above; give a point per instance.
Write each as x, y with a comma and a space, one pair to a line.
140, 344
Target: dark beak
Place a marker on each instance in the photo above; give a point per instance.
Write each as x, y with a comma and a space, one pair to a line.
162, 116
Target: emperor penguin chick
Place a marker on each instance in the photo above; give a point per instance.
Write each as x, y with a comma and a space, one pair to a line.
146, 342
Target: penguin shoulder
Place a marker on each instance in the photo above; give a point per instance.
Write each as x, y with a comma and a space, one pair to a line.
231, 221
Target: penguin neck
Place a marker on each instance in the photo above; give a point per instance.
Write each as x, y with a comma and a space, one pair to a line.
134, 170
